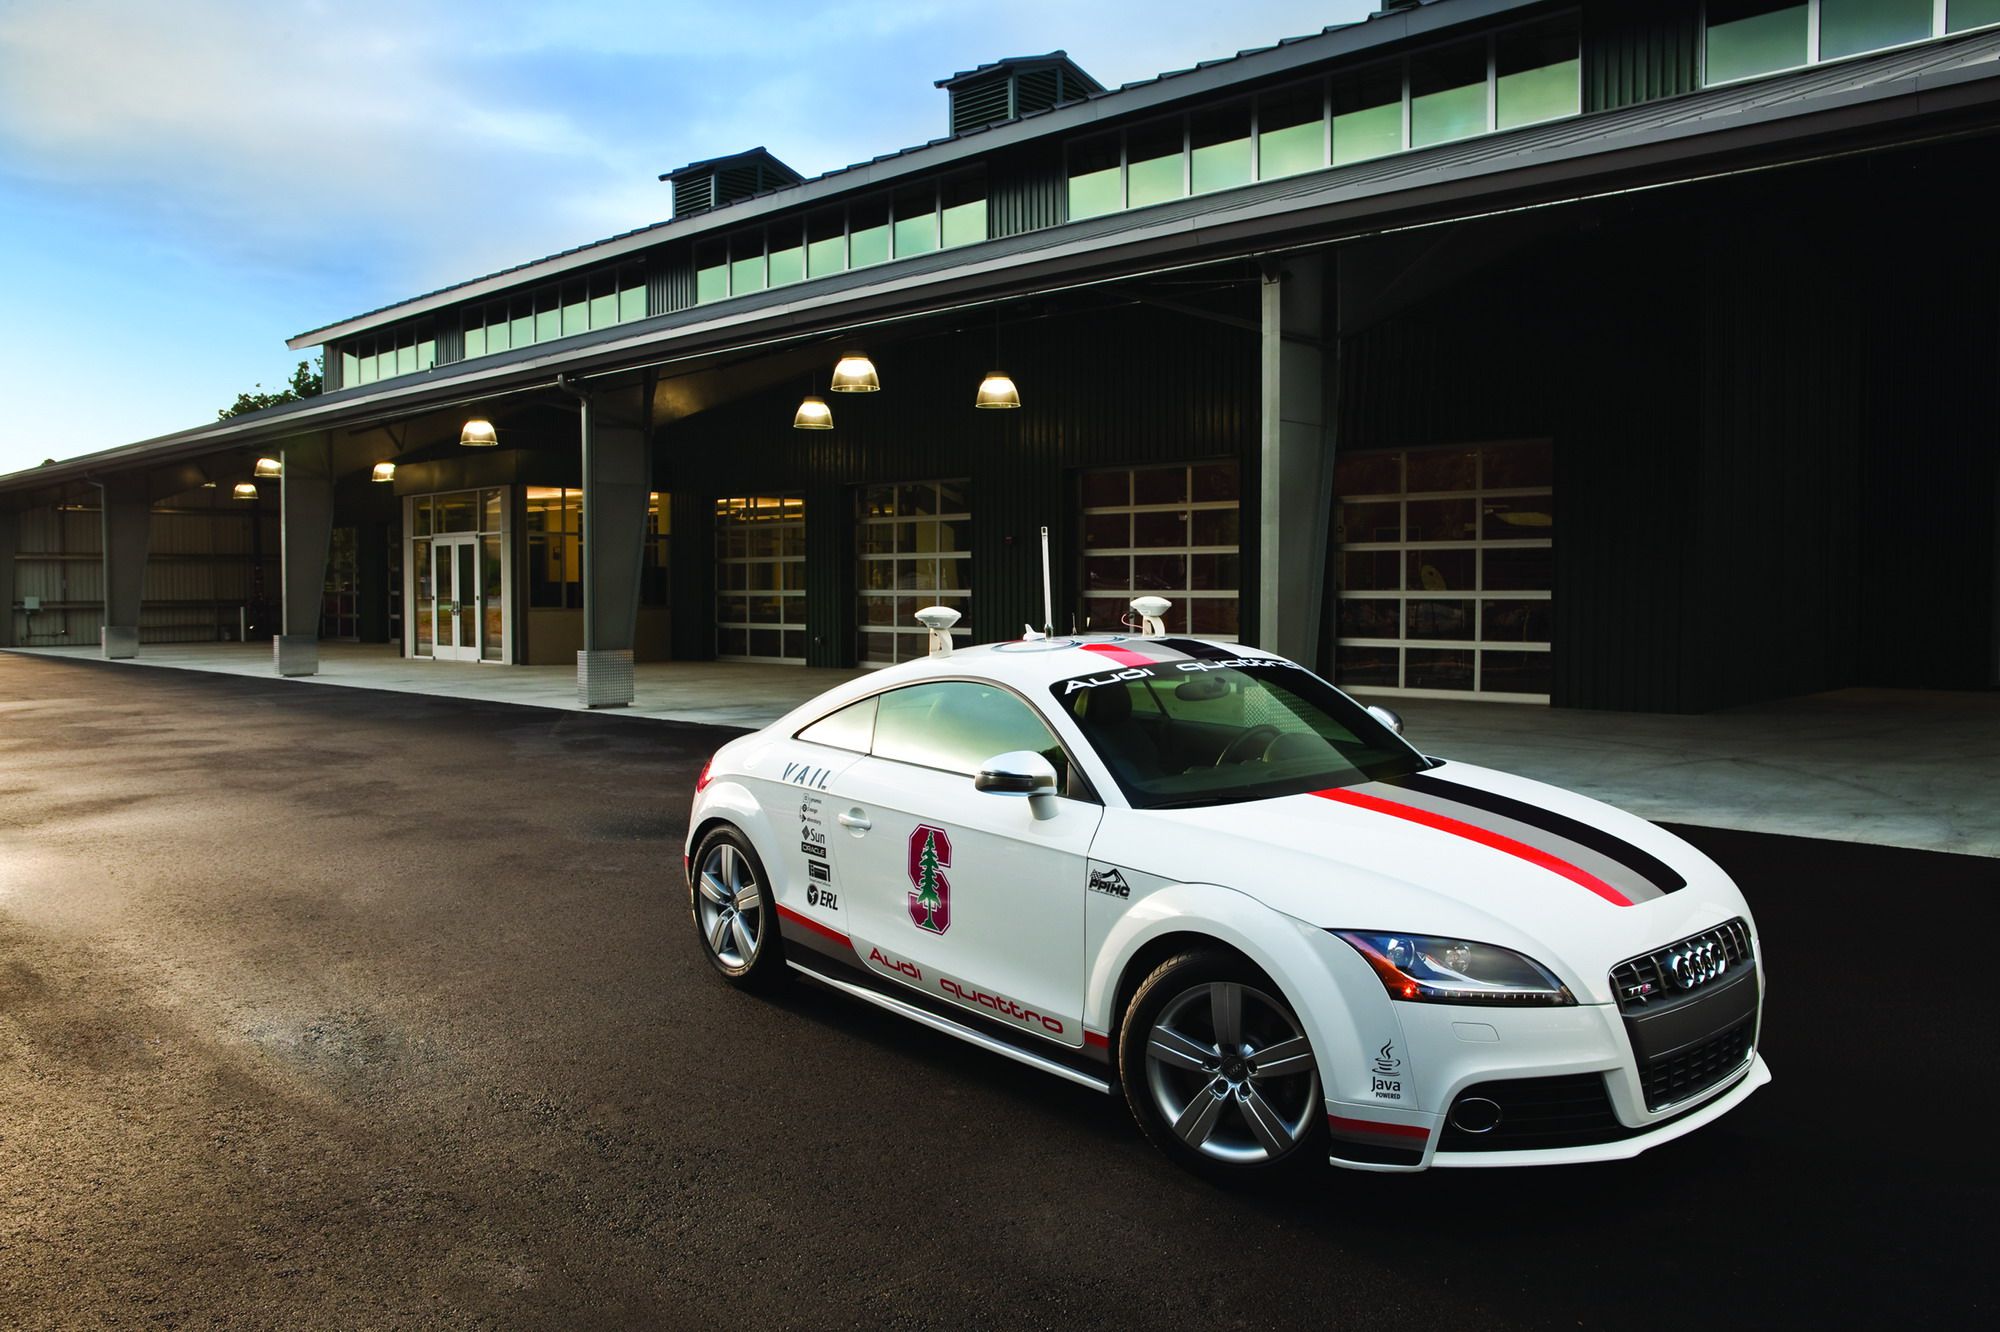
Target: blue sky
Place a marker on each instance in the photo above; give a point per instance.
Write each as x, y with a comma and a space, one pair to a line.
184, 185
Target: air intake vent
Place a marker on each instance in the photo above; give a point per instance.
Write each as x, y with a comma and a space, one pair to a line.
1016, 86
721, 181
987, 102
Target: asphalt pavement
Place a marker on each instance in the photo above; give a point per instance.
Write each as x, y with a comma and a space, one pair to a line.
334, 1008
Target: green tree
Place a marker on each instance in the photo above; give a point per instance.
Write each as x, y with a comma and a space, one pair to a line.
307, 382
927, 877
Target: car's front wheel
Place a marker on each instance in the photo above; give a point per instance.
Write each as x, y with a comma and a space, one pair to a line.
731, 901
1218, 1070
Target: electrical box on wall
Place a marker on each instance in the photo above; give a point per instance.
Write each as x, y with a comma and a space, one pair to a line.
31, 603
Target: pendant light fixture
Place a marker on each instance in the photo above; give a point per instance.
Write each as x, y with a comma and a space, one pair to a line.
996, 391
854, 373
813, 414
478, 434
268, 468
243, 490
384, 471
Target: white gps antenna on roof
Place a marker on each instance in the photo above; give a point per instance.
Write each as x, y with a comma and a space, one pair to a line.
1152, 613
939, 620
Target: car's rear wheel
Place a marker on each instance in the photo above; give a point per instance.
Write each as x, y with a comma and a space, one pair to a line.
734, 914
1218, 1070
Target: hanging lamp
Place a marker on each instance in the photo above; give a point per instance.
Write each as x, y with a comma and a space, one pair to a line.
478, 433
854, 373
243, 490
384, 471
268, 468
813, 413
996, 391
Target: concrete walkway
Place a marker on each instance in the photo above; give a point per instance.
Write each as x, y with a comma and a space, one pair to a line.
712, 693
1891, 767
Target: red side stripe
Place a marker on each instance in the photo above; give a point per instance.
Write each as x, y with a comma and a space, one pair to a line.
1124, 656
807, 922
1339, 1125
1474, 833
1097, 1039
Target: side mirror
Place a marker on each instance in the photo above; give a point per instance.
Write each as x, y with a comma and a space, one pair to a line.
1021, 772
1388, 718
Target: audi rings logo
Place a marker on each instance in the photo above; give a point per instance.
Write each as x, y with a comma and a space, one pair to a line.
1696, 963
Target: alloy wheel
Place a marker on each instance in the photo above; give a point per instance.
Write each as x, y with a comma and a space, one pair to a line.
1231, 1072
729, 906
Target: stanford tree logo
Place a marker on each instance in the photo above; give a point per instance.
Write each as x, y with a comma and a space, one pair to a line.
930, 890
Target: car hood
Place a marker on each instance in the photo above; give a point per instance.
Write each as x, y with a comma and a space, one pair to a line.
1460, 851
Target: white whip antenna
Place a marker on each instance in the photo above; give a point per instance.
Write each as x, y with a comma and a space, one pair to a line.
1048, 601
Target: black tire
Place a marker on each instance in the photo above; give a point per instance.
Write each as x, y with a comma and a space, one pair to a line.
1266, 1122
726, 857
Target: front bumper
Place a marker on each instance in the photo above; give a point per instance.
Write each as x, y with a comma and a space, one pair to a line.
1572, 1086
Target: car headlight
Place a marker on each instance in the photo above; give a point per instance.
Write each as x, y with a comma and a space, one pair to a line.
1425, 969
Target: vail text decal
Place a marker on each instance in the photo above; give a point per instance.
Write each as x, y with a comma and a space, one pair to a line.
805, 774
930, 890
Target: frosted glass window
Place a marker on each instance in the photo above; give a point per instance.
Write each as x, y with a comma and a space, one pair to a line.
788, 255
1155, 169
746, 263
1849, 27
964, 208
916, 221
1220, 143
826, 243
868, 235
1291, 132
1963, 14
1747, 37
1367, 114
1448, 94
1535, 72
1095, 183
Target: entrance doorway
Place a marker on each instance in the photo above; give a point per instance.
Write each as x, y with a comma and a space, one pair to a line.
455, 610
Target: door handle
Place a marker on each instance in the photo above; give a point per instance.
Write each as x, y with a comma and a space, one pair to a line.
853, 820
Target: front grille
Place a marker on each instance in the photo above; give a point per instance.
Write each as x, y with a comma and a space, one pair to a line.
1693, 1070
1645, 984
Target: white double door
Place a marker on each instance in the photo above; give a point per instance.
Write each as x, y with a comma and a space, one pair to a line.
456, 609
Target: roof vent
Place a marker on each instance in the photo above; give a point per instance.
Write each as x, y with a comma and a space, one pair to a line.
1015, 86
720, 181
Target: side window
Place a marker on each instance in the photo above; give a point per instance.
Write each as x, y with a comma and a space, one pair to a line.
957, 725
853, 727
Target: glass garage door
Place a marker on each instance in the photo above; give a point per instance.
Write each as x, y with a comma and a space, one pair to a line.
760, 579
1445, 571
1172, 532
912, 548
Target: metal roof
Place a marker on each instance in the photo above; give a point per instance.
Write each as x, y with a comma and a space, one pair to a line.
1209, 76
759, 155
1057, 57
1869, 102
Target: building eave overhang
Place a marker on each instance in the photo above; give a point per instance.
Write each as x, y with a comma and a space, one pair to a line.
1901, 98
1356, 39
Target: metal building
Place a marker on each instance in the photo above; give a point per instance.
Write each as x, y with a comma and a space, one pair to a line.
1628, 355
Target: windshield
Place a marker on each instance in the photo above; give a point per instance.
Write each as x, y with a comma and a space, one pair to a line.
1208, 732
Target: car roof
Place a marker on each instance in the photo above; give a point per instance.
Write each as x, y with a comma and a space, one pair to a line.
1040, 661
1028, 665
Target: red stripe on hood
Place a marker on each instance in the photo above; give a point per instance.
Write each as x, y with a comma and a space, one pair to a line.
1474, 833
1124, 656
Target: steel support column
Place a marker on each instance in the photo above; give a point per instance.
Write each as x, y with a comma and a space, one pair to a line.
617, 478
305, 498
10, 529
1296, 472
127, 518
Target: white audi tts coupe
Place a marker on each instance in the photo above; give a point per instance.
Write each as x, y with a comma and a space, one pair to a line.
1199, 873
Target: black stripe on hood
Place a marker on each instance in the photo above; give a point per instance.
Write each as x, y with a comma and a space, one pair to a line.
1641, 862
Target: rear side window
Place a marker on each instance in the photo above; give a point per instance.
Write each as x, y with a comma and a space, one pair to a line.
957, 725
851, 728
